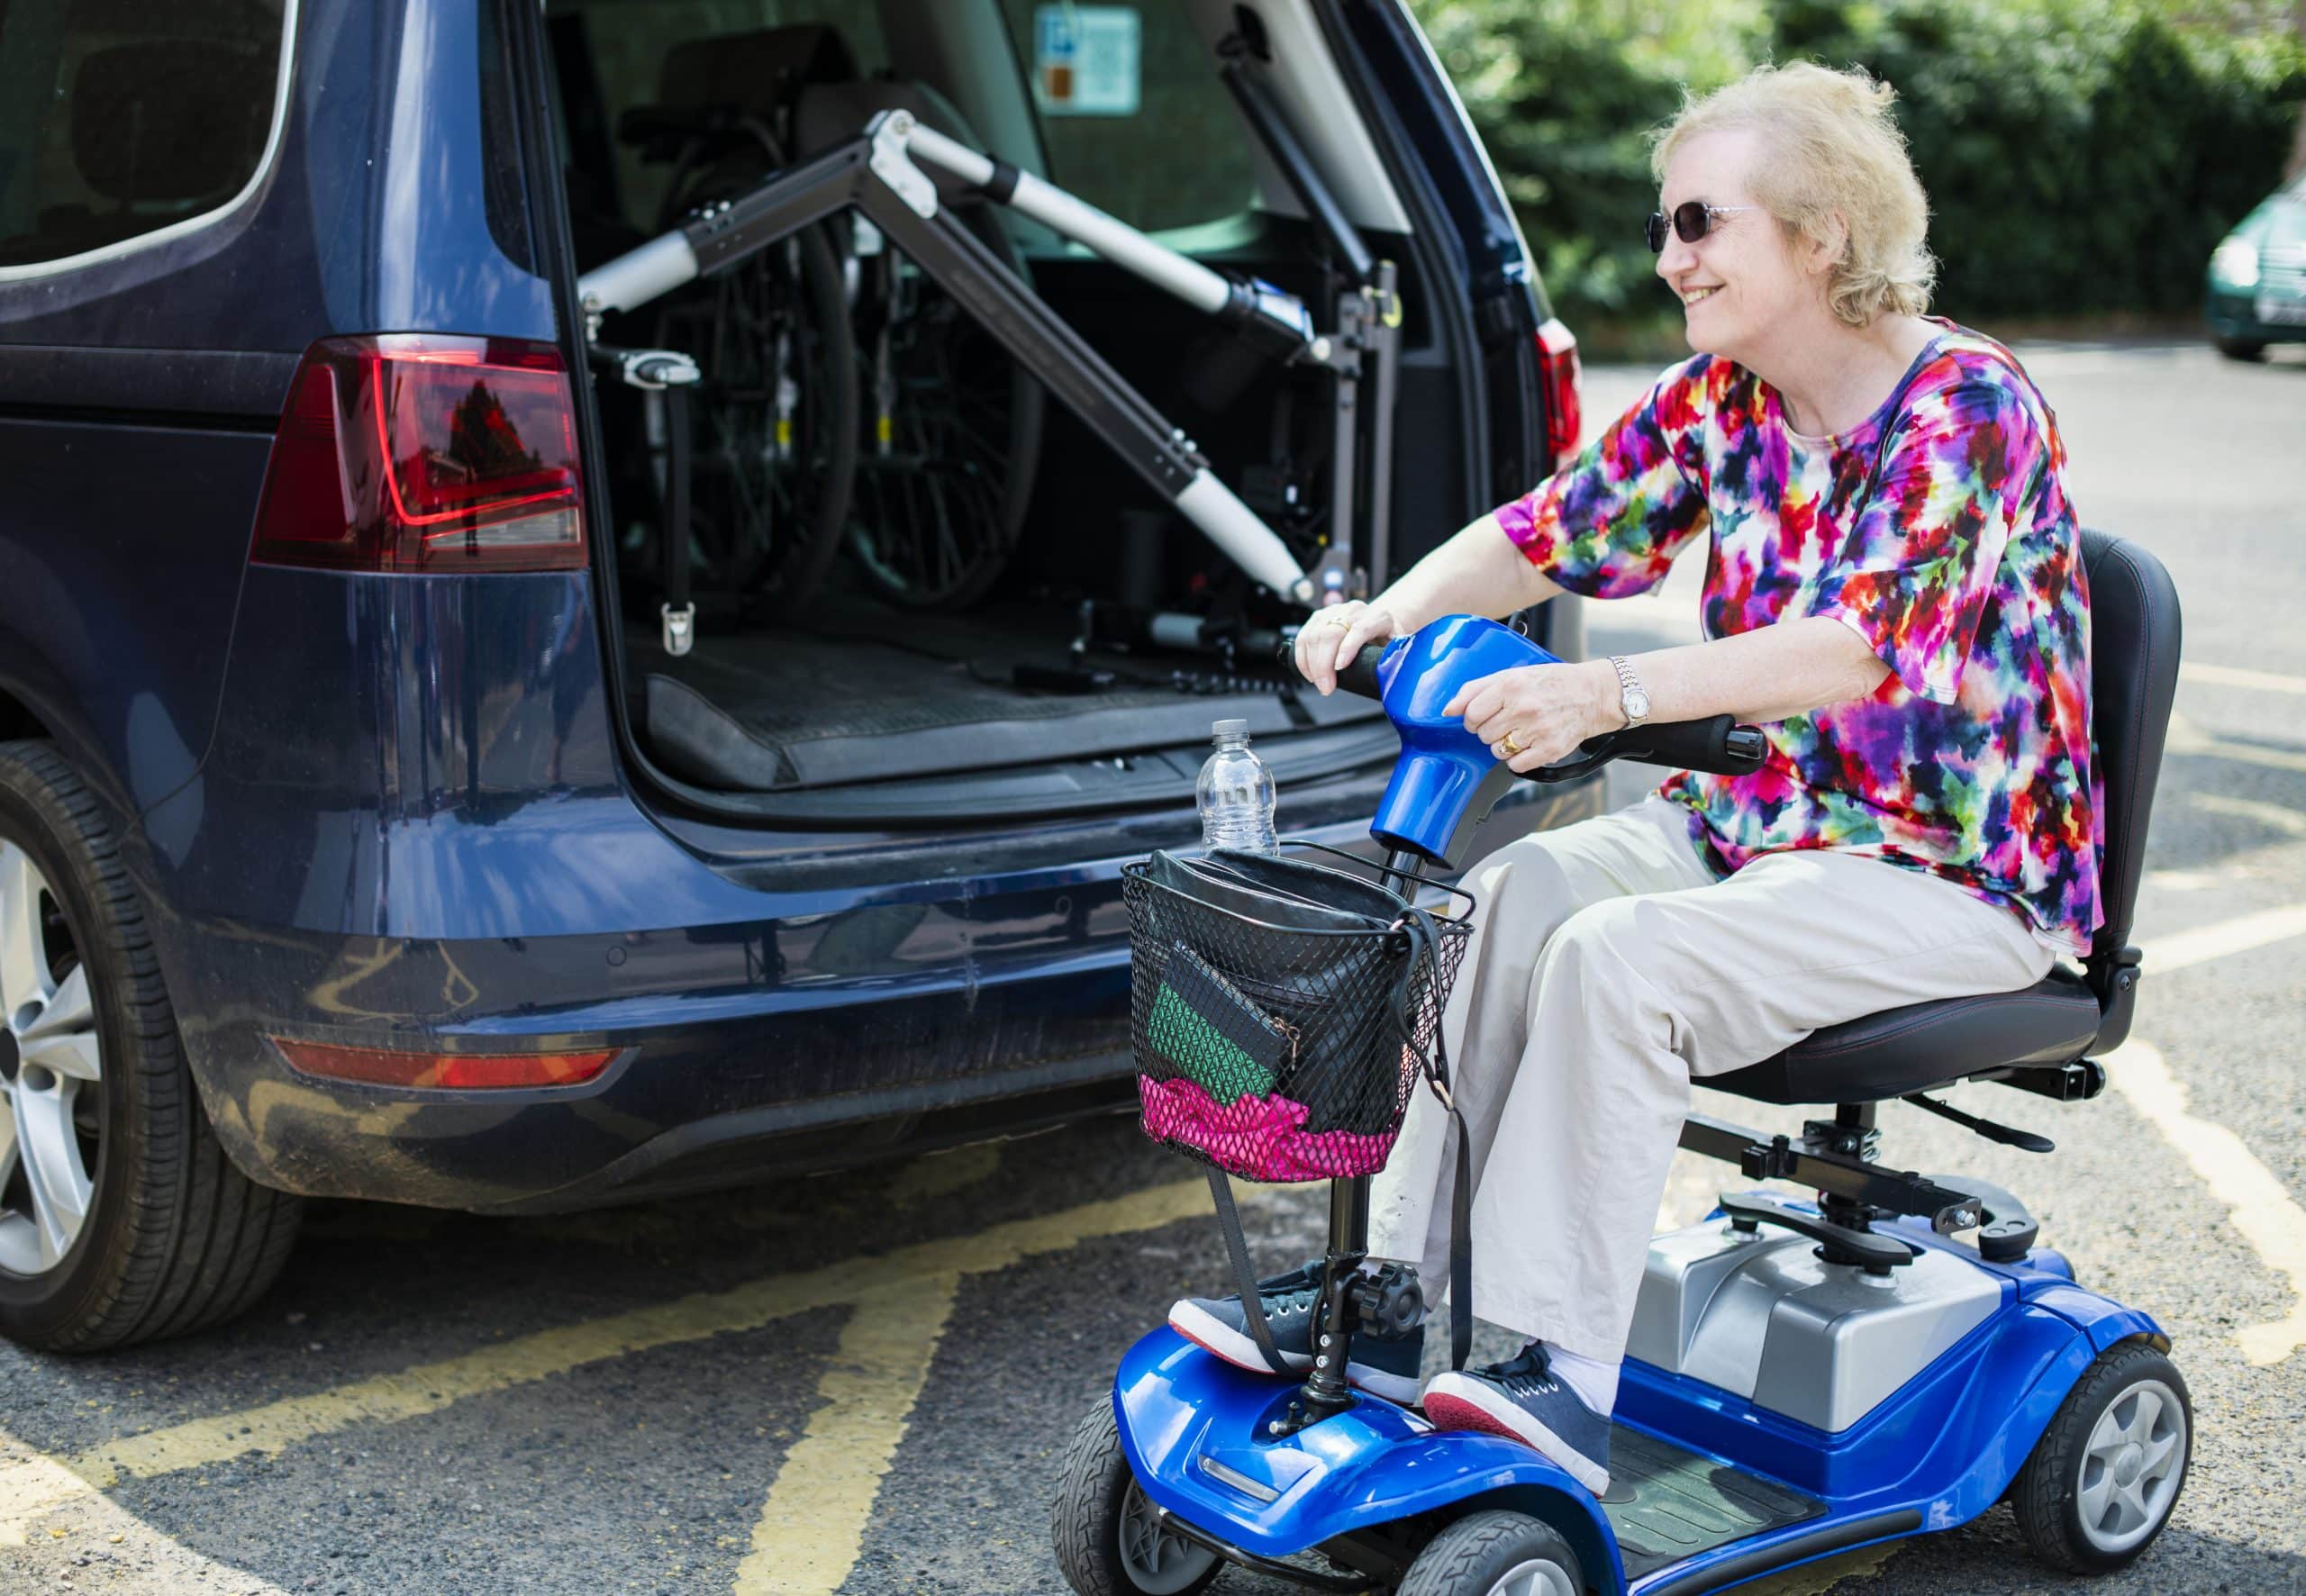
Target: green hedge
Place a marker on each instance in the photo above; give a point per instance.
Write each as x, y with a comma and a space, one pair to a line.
2082, 156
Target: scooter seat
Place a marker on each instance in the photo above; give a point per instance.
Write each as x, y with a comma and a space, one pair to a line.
1925, 1045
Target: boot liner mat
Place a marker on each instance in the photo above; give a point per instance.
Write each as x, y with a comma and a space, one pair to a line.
768, 711
1666, 1503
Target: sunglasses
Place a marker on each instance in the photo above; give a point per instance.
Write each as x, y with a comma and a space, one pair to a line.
1692, 220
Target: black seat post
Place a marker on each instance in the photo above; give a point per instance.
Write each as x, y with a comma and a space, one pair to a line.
1853, 1135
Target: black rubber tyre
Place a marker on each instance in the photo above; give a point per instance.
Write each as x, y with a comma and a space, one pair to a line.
174, 1239
1097, 1501
937, 518
1481, 1551
769, 532
2240, 348
2050, 1493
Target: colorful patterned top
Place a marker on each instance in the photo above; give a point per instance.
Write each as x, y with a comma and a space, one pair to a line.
1963, 572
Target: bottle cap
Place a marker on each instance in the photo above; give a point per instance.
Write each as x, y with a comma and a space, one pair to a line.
1229, 729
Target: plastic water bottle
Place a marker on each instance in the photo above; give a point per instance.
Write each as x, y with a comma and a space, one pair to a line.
1236, 793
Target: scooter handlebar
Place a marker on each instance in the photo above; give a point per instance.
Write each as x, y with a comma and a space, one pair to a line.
1717, 745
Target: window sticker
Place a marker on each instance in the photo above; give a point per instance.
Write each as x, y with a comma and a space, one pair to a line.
1087, 59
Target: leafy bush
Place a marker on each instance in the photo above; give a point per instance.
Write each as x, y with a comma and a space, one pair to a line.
2082, 156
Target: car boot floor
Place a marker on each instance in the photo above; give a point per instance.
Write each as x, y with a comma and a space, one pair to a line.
1666, 1503
869, 694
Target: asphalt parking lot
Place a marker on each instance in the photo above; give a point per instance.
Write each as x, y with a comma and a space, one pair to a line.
863, 1382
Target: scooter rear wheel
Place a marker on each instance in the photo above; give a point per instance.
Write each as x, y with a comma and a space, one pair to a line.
2104, 1479
1496, 1554
1108, 1542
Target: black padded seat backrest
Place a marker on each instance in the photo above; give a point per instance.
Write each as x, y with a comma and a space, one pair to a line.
2134, 637
2133, 677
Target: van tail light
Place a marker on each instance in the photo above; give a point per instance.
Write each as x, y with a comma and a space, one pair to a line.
442, 1072
423, 452
1558, 373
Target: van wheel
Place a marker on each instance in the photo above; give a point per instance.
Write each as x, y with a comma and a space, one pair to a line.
2240, 348
121, 1219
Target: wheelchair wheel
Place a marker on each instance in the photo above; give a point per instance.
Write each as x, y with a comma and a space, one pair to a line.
1108, 1542
775, 416
954, 433
1496, 1554
2101, 1481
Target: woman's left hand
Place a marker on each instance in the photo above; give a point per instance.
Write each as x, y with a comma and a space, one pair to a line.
1545, 711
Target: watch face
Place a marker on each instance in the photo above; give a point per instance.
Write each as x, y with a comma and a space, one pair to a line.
1637, 704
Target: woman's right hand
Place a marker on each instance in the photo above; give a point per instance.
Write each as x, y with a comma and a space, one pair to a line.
1330, 638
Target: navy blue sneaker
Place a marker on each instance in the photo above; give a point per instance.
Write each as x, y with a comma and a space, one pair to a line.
1383, 1367
1523, 1400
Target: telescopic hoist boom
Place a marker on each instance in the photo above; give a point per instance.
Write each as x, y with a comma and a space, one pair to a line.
879, 173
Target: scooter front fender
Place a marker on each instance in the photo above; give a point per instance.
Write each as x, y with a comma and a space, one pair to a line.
1196, 1433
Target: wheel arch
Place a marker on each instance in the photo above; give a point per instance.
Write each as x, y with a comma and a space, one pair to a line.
1575, 1519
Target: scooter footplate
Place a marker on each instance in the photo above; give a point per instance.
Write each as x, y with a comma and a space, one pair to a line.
1667, 1504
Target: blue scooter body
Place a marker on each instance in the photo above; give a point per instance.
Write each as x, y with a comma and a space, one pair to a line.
1937, 1453
1198, 1433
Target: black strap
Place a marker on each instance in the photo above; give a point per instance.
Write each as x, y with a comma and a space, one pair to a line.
1229, 1220
677, 472
1425, 943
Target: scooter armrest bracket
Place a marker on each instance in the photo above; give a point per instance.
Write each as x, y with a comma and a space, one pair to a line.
1875, 1252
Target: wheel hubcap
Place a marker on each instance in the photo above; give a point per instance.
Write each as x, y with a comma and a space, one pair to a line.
51, 1068
1159, 1561
1539, 1576
2130, 1467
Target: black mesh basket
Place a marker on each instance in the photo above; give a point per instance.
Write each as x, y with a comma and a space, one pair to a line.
1275, 1053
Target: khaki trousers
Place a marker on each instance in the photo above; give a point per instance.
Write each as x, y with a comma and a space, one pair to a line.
1609, 967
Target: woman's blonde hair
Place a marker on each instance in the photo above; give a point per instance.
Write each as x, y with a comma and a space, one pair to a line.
1831, 148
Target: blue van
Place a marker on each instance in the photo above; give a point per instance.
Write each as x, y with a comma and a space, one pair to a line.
365, 829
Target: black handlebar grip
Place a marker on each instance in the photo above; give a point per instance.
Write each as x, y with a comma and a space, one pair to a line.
1717, 745
1358, 678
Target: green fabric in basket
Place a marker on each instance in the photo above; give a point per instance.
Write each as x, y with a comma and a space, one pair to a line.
1203, 1025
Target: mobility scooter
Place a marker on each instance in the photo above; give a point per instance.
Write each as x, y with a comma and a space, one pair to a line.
1802, 1378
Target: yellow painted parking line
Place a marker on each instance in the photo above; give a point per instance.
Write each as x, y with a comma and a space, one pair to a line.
1814, 1578
2223, 938
114, 1541
2226, 675
2263, 1211
428, 1388
812, 1526
2275, 817
2188, 739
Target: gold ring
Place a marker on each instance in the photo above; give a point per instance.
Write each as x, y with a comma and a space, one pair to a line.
1333, 617
1512, 749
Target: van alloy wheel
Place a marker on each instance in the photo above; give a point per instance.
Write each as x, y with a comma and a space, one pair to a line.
121, 1219
52, 1073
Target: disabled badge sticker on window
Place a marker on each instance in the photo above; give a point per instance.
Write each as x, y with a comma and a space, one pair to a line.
1087, 59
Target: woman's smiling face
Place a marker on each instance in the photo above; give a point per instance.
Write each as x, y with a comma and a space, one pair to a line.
1743, 287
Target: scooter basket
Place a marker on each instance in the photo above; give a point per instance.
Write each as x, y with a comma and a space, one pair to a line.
1273, 1052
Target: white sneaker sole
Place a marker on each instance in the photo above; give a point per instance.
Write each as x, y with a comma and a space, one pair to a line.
1215, 1337
1496, 1413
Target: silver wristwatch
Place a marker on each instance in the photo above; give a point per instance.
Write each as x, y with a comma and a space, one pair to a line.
1631, 696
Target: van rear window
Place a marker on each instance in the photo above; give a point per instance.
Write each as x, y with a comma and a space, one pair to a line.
120, 118
1132, 115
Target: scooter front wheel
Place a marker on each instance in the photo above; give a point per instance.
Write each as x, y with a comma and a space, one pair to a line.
1108, 1541
1496, 1554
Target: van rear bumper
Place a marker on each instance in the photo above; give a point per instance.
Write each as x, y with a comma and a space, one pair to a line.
744, 1050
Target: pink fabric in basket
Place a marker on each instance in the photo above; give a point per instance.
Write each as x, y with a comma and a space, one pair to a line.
1258, 1138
